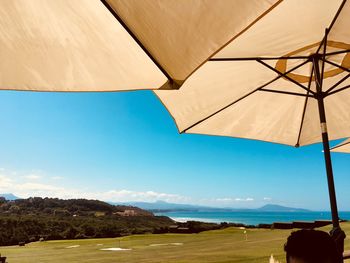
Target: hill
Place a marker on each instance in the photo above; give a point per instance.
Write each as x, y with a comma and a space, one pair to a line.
161, 206
70, 207
279, 208
31, 219
165, 206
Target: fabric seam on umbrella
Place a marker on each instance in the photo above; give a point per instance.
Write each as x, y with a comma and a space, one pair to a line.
131, 33
235, 36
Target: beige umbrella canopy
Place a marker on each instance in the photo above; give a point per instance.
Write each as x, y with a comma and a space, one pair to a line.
343, 147
240, 91
284, 80
109, 45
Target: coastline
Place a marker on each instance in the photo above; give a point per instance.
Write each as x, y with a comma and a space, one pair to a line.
250, 218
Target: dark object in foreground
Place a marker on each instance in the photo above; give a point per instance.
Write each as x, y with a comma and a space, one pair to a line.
311, 246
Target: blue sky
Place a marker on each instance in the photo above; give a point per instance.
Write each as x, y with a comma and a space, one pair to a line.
125, 147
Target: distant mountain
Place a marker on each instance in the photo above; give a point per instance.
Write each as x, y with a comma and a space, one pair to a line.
279, 208
161, 206
10, 197
164, 206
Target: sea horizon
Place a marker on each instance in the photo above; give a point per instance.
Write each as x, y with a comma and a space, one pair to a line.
251, 217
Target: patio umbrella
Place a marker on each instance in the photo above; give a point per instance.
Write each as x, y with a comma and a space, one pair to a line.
284, 80
110, 45
343, 147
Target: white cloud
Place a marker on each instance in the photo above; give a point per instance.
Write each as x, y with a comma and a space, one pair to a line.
27, 189
57, 177
32, 177
147, 196
248, 199
39, 184
232, 201
5, 182
51, 187
225, 199
37, 187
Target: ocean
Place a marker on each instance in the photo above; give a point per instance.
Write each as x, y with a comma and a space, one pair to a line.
251, 218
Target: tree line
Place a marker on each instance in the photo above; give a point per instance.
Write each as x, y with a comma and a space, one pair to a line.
33, 219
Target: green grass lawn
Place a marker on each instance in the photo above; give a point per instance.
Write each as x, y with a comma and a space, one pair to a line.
228, 245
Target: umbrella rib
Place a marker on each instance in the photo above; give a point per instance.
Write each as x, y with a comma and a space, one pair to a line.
286, 92
337, 84
338, 90
324, 54
235, 36
258, 58
116, 16
336, 65
340, 145
332, 24
328, 92
336, 15
286, 76
338, 52
304, 109
220, 110
246, 95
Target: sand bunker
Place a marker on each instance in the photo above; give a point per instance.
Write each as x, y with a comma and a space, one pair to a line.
115, 249
166, 244
73, 246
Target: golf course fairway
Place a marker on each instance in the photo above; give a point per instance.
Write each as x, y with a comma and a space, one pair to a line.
227, 245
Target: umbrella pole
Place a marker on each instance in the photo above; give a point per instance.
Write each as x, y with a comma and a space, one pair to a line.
327, 157
337, 233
